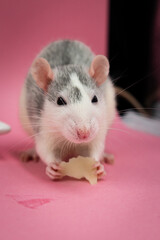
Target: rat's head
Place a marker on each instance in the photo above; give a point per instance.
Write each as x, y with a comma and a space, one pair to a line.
75, 97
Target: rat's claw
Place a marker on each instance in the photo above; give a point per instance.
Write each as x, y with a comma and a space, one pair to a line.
100, 169
52, 171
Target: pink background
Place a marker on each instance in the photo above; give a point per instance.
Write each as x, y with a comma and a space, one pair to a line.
125, 204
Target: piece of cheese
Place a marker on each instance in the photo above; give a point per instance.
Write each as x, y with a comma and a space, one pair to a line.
80, 167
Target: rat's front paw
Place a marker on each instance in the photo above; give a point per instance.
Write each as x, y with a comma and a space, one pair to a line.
100, 169
53, 171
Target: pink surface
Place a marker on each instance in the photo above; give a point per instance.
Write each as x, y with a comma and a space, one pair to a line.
125, 204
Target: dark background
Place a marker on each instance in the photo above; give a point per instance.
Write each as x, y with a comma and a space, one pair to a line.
130, 49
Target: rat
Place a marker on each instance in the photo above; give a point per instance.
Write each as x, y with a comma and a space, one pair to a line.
68, 104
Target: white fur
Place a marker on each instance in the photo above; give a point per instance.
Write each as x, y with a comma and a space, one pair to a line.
110, 102
58, 121
23, 113
76, 83
55, 131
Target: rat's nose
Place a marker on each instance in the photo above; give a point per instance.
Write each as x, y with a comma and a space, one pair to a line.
83, 133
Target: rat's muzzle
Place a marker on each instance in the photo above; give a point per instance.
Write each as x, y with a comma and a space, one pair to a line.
83, 134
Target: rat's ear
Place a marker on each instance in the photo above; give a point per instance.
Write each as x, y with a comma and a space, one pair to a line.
99, 69
42, 73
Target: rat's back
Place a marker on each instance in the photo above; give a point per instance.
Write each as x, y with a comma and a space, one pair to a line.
67, 52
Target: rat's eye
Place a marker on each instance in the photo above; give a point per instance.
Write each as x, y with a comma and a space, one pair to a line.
94, 99
61, 101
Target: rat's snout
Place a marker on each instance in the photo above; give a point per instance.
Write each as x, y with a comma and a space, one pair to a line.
83, 133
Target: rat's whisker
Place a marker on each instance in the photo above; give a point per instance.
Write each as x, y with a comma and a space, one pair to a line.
121, 130
136, 82
146, 108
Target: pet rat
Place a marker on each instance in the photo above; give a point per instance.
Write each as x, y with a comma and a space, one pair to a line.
68, 104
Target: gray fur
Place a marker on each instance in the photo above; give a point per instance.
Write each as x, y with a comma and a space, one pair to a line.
67, 52
65, 57
75, 95
62, 80
34, 100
